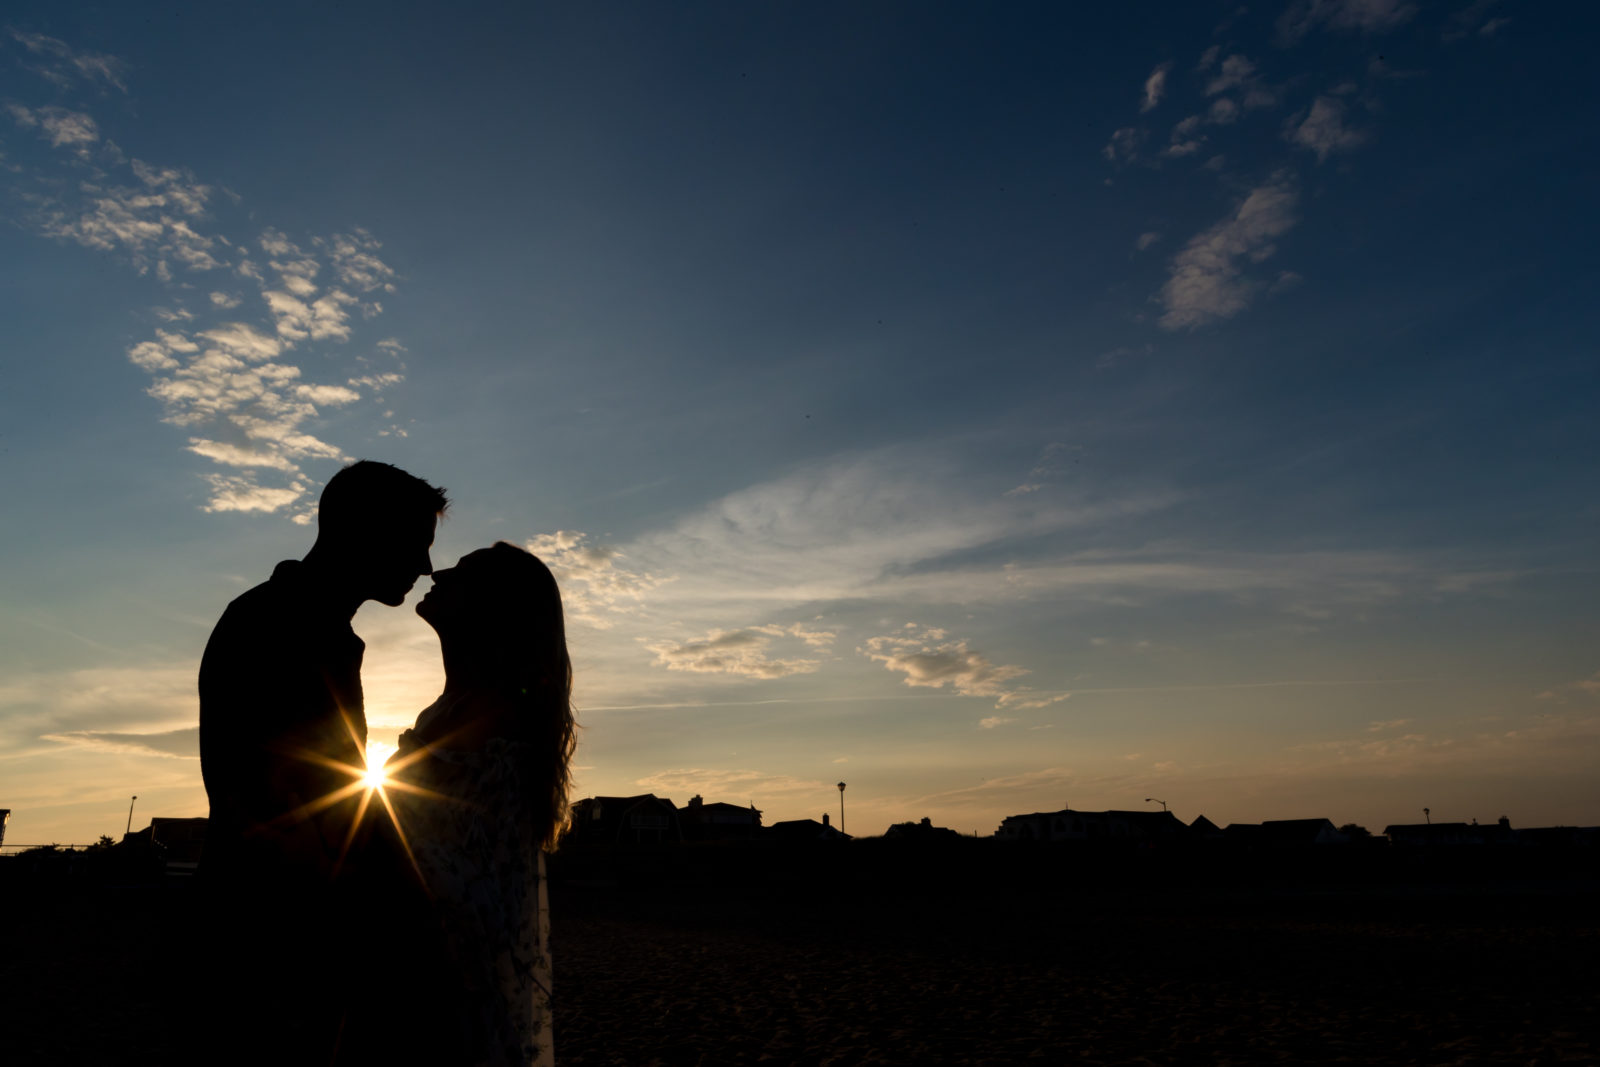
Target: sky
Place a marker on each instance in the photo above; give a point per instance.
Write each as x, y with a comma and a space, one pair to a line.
994, 408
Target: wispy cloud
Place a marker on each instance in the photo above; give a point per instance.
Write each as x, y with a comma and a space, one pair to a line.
1208, 280
1155, 87
226, 380
1475, 18
594, 584
62, 128
740, 784
1124, 145
1235, 72
65, 706
929, 657
1052, 463
1238, 74
1365, 16
741, 652
171, 744
1324, 129
58, 62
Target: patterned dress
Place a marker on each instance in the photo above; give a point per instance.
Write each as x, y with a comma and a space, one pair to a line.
481, 865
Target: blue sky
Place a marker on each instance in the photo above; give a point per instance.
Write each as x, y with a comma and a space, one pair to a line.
991, 409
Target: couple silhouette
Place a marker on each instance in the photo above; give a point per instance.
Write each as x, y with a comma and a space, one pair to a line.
398, 915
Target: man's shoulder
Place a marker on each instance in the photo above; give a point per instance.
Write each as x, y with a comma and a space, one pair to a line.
264, 607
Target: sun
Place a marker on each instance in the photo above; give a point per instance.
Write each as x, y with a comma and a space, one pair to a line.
375, 777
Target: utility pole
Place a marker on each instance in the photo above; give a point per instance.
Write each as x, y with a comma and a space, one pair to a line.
129, 829
841, 807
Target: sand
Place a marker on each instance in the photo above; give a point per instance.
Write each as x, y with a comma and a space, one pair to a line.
906, 961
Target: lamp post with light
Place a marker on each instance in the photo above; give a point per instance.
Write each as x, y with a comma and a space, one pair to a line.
841, 807
1156, 800
129, 829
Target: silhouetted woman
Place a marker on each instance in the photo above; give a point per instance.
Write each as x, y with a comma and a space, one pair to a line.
487, 768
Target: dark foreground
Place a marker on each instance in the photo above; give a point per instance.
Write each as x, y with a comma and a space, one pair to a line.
876, 954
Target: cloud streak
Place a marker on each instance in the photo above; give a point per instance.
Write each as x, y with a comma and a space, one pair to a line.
63, 65
1323, 129
172, 744
1207, 280
1155, 87
741, 652
594, 584
1361, 16
930, 658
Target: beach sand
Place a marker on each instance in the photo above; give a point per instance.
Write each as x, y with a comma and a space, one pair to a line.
891, 963
906, 970
1196, 991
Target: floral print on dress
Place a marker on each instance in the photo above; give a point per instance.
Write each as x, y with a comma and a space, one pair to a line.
485, 872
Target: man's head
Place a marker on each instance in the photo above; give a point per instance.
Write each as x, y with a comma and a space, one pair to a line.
375, 522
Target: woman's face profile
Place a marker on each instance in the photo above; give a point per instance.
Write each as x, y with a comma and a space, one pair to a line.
459, 592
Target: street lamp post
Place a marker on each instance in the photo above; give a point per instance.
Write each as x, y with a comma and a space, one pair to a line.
841, 807
1156, 800
129, 828
1428, 815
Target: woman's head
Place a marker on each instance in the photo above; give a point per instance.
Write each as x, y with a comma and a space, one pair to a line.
498, 615
497, 596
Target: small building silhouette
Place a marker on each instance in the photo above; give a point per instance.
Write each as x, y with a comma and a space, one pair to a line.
1070, 825
1416, 835
718, 821
1567, 837
1285, 833
799, 830
919, 831
639, 820
1203, 829
180, 840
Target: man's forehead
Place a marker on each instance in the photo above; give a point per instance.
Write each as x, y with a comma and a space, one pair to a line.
409, 529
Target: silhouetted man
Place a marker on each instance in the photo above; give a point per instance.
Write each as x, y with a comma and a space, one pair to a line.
282, 734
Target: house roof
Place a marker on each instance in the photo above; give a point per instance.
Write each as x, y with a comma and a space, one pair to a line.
1147, 816
722, 806
628, 800
1295, 829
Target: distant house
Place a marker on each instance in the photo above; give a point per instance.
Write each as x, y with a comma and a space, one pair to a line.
1070, 825
1560, 836
1496, 834
1413, 835
1294, 833
174, 845
182, 839
1284, 833
646, 819
1203, 829
799, 830
919, 831
718, 821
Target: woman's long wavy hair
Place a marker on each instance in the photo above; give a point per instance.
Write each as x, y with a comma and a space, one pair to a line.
528, 631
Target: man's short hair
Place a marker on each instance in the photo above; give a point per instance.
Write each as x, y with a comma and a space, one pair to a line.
368, 491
